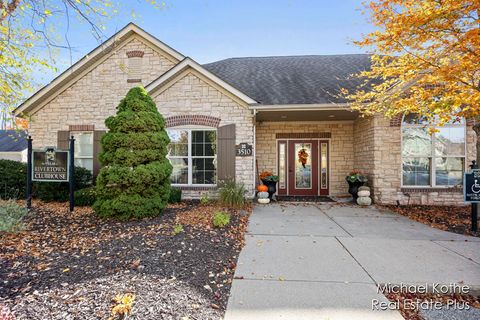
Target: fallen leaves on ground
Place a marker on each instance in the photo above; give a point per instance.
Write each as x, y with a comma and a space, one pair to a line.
408, 302
61, 251
448, 218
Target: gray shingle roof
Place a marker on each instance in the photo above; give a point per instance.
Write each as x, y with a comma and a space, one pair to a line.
292, 79
12, 140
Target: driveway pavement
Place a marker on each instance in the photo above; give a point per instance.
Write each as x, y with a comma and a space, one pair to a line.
324, 261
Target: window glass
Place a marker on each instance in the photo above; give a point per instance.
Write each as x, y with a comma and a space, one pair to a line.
192, 153
416, 171
83, 149
450, 141
421, 166
449, 171
180, 170
417, 142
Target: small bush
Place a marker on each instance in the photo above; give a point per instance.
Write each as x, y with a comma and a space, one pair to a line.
58, 191
178, 229
14, 179
204, 200
11, 216
175, 195
232, 194
85, 197
221, 219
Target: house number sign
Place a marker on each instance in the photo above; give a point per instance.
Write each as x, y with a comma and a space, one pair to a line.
244, 150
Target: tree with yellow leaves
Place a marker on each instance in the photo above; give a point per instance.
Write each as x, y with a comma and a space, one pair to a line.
30, 41
425, 60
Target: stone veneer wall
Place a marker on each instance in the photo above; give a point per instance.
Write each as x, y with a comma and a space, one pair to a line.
192, 95
384, 164
364, 147
341, 147
95, 96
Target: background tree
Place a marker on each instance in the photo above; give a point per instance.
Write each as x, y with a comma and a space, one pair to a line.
135, 179
426, 60
30, 40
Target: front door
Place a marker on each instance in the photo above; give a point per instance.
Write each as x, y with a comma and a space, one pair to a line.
303, 167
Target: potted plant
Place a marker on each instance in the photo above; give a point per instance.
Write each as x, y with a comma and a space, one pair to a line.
270, 180
355, 180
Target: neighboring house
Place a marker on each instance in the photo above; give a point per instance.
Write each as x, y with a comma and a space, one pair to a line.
278, 105
13, 145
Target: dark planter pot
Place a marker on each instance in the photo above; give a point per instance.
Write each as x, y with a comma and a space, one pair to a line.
272, 187
353, 188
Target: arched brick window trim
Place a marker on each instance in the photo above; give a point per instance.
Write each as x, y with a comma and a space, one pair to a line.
135, 53
396, 121
197, 120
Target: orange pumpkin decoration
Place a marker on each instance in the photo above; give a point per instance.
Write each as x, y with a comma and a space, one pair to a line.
262, 188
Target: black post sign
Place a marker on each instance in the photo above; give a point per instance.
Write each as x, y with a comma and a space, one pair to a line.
472, 186
471, 192
50, 165
244, 150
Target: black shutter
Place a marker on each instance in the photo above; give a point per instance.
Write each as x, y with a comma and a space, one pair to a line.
97, 148
63, 140
226, 153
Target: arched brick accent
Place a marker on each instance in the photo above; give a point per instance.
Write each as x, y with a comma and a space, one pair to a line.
396, 121
197, 120
135, 53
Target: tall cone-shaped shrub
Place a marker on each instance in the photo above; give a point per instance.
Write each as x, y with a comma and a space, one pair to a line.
134, 181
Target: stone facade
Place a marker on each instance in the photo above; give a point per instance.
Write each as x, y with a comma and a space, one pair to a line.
94, 97
372, 145
378, 154
341, 147
191, 94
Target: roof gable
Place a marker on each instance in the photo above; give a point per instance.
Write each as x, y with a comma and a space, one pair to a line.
188, 63
89, 61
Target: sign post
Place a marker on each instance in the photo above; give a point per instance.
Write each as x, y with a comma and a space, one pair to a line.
471, 192
51, 165
71, 181
29, 172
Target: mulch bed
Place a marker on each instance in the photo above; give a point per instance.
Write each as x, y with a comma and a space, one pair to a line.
410, 304
71, 265
449, 218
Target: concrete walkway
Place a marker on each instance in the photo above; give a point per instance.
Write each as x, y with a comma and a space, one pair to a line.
323, 261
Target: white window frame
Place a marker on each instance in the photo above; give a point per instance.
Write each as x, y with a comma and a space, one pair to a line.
190, 158
75, 134
432, 155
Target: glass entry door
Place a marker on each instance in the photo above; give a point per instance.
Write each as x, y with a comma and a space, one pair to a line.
303, 167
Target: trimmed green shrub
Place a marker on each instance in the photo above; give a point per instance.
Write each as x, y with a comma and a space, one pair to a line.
232, 194
14, 179
85, 197
59, 191
221, 219
11, 216
175, 195
134, 181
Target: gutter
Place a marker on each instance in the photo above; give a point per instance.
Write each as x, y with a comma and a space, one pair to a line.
300, 107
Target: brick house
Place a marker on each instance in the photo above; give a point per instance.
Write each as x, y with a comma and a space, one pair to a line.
278, 105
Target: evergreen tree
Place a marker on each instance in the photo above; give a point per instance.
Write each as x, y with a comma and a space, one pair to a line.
135, 179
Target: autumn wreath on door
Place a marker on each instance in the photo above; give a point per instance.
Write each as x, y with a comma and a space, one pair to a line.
303, 156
